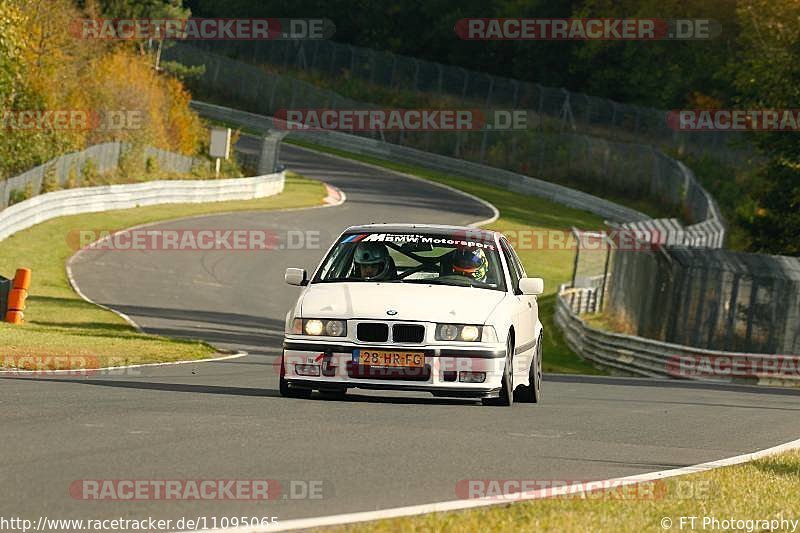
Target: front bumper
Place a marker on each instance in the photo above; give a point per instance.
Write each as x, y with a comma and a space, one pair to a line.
441, 375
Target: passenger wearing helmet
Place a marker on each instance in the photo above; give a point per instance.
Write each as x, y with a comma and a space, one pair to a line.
471, 263
372, 262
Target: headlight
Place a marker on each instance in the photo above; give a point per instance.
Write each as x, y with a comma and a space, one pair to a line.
446, 332
317, 327
470, 333
313, 327
334, 328
465, 332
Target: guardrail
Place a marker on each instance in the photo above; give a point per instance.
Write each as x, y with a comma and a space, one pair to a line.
709, 232
639, 356
124, 196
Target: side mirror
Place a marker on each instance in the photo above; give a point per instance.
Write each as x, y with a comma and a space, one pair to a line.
296, 276
531, 286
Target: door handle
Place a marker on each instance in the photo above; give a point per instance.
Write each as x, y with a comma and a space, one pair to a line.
529, 304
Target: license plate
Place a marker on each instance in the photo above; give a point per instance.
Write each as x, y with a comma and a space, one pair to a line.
391, 359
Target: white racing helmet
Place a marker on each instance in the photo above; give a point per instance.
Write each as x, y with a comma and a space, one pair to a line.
372, 261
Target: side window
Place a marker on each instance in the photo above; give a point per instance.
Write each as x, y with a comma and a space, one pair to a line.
513, 265
518, 262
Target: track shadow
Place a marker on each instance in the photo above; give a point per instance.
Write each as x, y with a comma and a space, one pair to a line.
196, 315
215, 327
244, 391
641, 401
670, 384
354, 397
166, 387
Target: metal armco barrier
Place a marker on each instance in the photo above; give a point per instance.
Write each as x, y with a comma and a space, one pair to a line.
638, 356
17, 294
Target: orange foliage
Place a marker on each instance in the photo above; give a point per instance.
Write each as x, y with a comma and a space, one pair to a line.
105, 78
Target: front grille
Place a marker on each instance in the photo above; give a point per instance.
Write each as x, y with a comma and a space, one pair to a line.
373, 332
408, 333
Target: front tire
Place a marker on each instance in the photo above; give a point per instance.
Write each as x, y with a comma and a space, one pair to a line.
533, 392
506, 397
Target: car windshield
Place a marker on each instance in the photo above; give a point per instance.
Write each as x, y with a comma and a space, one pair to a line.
437, 259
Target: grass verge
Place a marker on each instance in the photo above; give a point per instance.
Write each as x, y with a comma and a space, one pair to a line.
61, 324
520, 216
765, 489
606, 322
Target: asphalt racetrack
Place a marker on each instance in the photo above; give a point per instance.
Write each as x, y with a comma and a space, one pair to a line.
226, 420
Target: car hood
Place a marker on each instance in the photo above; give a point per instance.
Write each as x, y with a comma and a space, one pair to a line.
417, 302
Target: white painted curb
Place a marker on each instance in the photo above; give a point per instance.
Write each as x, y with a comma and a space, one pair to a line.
335, 196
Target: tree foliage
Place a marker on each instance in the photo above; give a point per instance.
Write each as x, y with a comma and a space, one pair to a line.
754, 63
767, 76
43, 66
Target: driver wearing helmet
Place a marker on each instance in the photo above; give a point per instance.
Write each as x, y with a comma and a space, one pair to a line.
372, 262
471, 263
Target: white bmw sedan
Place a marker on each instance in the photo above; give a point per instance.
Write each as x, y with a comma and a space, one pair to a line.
441, 309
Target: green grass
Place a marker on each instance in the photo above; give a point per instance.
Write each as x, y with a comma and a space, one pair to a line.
59, 323
606, 322
519, 214
763, 489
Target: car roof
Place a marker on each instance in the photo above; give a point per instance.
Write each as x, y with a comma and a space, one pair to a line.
425, 229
